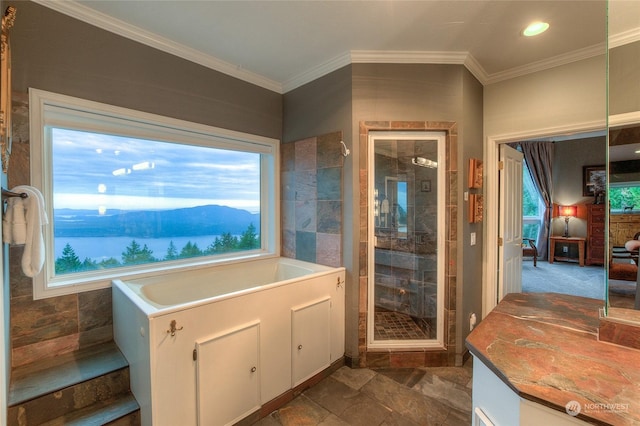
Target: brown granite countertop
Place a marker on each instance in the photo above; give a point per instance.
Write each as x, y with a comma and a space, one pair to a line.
545, 347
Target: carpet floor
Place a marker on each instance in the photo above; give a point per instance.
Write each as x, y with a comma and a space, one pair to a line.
570, 278
563, 277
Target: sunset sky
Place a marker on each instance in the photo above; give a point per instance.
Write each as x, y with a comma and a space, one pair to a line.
93, 171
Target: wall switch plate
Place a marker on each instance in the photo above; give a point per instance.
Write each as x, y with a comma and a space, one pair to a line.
565, 249
473, 238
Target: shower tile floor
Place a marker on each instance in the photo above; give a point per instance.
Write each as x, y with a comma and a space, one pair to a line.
390, 325
381, 397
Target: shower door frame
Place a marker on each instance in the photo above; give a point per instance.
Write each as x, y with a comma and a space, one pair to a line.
441, 137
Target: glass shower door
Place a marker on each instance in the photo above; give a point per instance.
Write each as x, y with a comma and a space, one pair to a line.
406, 191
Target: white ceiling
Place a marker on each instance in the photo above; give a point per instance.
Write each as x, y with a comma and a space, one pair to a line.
281, 45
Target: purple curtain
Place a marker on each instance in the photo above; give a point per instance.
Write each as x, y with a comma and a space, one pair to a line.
539, 159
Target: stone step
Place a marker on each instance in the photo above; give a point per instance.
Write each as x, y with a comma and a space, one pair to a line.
61, 388
50, 375
123, 411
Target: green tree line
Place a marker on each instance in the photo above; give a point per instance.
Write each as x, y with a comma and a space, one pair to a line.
628, 197
134, 254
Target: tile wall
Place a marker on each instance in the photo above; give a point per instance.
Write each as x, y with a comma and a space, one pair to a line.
56, 325
311, 194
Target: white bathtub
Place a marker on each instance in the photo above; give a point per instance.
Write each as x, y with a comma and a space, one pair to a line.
243, 335
183, 290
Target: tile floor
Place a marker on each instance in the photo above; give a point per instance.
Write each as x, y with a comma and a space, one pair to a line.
385, 397
397, 326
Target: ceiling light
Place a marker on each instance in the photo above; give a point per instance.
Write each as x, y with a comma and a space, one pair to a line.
424, 162
535, 28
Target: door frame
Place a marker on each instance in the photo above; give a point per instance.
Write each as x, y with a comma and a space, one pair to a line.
441, 138
492, 196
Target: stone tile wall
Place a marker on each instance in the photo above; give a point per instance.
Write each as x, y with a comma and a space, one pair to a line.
311, 194
53, 326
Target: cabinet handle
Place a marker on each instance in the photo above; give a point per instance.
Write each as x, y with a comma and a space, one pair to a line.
299, 347
253, 369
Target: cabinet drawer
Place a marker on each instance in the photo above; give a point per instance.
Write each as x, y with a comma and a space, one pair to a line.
597, 240
596, 231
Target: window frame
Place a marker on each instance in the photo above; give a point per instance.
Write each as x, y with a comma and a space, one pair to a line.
47, 109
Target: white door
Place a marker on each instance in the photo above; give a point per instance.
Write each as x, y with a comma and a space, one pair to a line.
510, 228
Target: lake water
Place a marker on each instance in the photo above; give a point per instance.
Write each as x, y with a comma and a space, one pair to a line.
104, 248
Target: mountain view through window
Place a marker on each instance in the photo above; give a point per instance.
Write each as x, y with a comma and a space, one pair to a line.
120, 201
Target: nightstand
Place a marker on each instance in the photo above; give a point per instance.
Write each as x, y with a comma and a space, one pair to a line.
579, 241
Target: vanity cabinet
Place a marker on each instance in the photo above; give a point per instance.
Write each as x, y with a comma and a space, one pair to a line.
595, 234
495, 403
538, 360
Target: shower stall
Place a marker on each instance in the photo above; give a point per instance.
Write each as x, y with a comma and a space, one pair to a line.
406, 241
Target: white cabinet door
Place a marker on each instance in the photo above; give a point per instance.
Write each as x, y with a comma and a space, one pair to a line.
310, 338
228, 379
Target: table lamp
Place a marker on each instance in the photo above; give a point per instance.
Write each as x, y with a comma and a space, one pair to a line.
568, 212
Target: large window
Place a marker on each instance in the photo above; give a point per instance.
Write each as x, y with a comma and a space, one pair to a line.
133, 194
532, 206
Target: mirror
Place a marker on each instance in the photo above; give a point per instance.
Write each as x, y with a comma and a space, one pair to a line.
5, 82
623, 154
392, 206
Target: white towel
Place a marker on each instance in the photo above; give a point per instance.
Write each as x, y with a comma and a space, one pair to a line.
14, 225
23, 224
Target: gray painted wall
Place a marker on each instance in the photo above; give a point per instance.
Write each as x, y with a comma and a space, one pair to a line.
54, 52
570, 94
319, 107
624, 79
407, 92
470, 145
570, 157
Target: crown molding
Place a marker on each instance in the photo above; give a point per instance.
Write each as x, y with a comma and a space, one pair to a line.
626, 37
407, 57
545, 64
316, 72
121, 28
476, 69
387, 57
624, 119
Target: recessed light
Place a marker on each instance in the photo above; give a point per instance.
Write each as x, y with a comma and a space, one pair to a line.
535, 28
